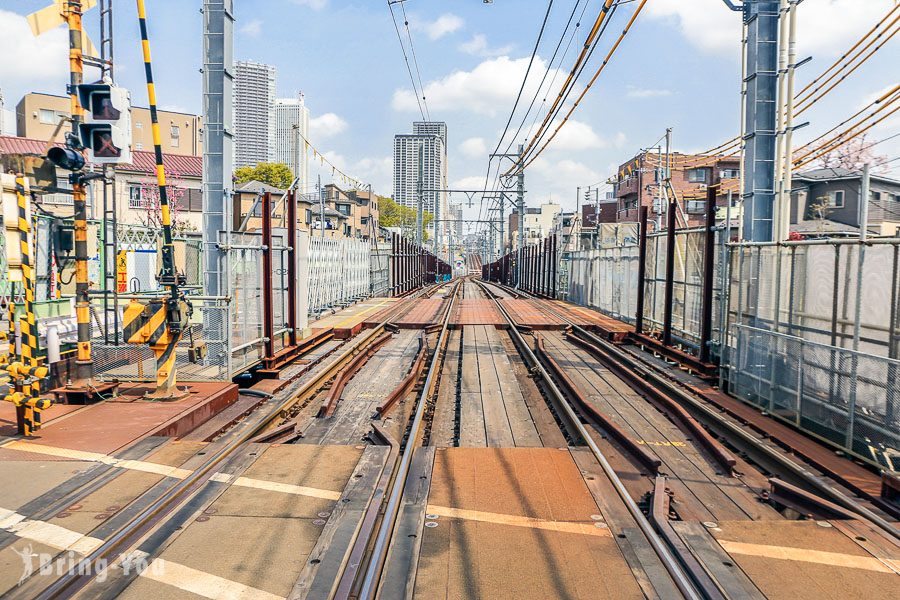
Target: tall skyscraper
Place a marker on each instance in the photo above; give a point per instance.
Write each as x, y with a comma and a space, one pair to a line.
291, 131
428, 139
254, 113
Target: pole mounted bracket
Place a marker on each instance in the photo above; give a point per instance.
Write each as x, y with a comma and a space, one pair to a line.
732, 6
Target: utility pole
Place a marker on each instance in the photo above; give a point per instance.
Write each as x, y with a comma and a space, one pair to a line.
84, 364
520, 206
596, 218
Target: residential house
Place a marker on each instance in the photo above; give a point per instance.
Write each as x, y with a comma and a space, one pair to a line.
637, 184
538, 223
38, 114
827, 201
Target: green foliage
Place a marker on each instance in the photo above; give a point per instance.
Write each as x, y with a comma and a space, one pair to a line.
274, 174
392, 214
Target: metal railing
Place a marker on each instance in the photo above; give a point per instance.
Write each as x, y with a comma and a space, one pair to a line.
849, 398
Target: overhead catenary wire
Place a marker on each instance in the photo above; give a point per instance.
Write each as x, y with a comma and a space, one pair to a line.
412, 79
593, 79
570, 79
412, 50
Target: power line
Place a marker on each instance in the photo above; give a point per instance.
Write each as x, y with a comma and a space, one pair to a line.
412, 49
406, 59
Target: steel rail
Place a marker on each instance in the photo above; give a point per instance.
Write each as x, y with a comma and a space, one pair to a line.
684, 583
652, 375
153, 515
378, 555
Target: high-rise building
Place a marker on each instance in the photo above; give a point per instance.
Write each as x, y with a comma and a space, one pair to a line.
291, 133
254, 113
428, 140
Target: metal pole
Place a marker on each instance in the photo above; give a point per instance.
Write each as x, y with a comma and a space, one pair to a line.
787, 156
670, 274
84, 365
857, 328
708, 272
520, 206
642, 271
218, 155
267, 272
293, 288
321, 205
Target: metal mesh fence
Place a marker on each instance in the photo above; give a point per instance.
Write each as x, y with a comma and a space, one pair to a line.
338, 273
380, 269
849, 398
137, 362
606, 280
245, 289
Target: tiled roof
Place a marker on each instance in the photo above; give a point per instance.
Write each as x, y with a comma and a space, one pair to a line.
255, 186
143, 161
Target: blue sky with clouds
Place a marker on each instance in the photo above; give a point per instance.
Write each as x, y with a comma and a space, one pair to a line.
679, 67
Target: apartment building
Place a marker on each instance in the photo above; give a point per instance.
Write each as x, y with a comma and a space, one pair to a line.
638, 184
38, 116
254, 113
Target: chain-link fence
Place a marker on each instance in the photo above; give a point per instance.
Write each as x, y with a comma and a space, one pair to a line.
606, 279
137, 362
849, 398
381, 269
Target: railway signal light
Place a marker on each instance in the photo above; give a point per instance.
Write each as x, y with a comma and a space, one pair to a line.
106, 132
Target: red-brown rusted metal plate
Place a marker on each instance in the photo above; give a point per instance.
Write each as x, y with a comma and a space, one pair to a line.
476, 311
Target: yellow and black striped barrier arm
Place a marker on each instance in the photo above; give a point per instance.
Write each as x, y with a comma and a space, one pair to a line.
163, 337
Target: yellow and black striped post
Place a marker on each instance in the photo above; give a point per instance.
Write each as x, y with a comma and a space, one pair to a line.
84, 366
176, 309
28, 373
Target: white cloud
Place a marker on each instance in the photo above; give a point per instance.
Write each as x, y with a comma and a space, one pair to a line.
488, 89
474, 148
825, 26
636, 92
313, 4
325, 126
252, 28
29, 62
574, 136
472, 182
445, 24
478, 46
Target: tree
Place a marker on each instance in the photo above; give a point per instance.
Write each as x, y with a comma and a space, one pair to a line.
274, 174
404, 217
853, 156
149, 194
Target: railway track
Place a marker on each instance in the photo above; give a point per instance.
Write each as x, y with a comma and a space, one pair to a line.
153, 517
452, 415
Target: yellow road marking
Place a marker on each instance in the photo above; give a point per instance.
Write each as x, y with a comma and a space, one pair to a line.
518, 521
833, 559
201, 583
360, 313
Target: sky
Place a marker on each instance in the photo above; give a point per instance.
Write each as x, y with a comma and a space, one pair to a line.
678, 67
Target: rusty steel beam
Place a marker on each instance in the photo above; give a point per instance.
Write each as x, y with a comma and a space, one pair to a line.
642, 454
408, 382
670, 274
292, 267
660, 398
806, 503
659, 516
343, 378
642, 271
709, 249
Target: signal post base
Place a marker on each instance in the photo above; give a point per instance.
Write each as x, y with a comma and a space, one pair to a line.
85, 393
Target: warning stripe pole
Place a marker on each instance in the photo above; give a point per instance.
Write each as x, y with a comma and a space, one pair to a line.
28, 413
168, 256
84, 368
165, 361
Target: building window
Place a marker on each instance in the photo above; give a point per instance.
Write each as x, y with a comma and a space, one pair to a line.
138, 125
730, 173
696, 175
836, 199
875, 196
364, 220
138, 145
136, 197
344, 209
47, 117
308, 216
